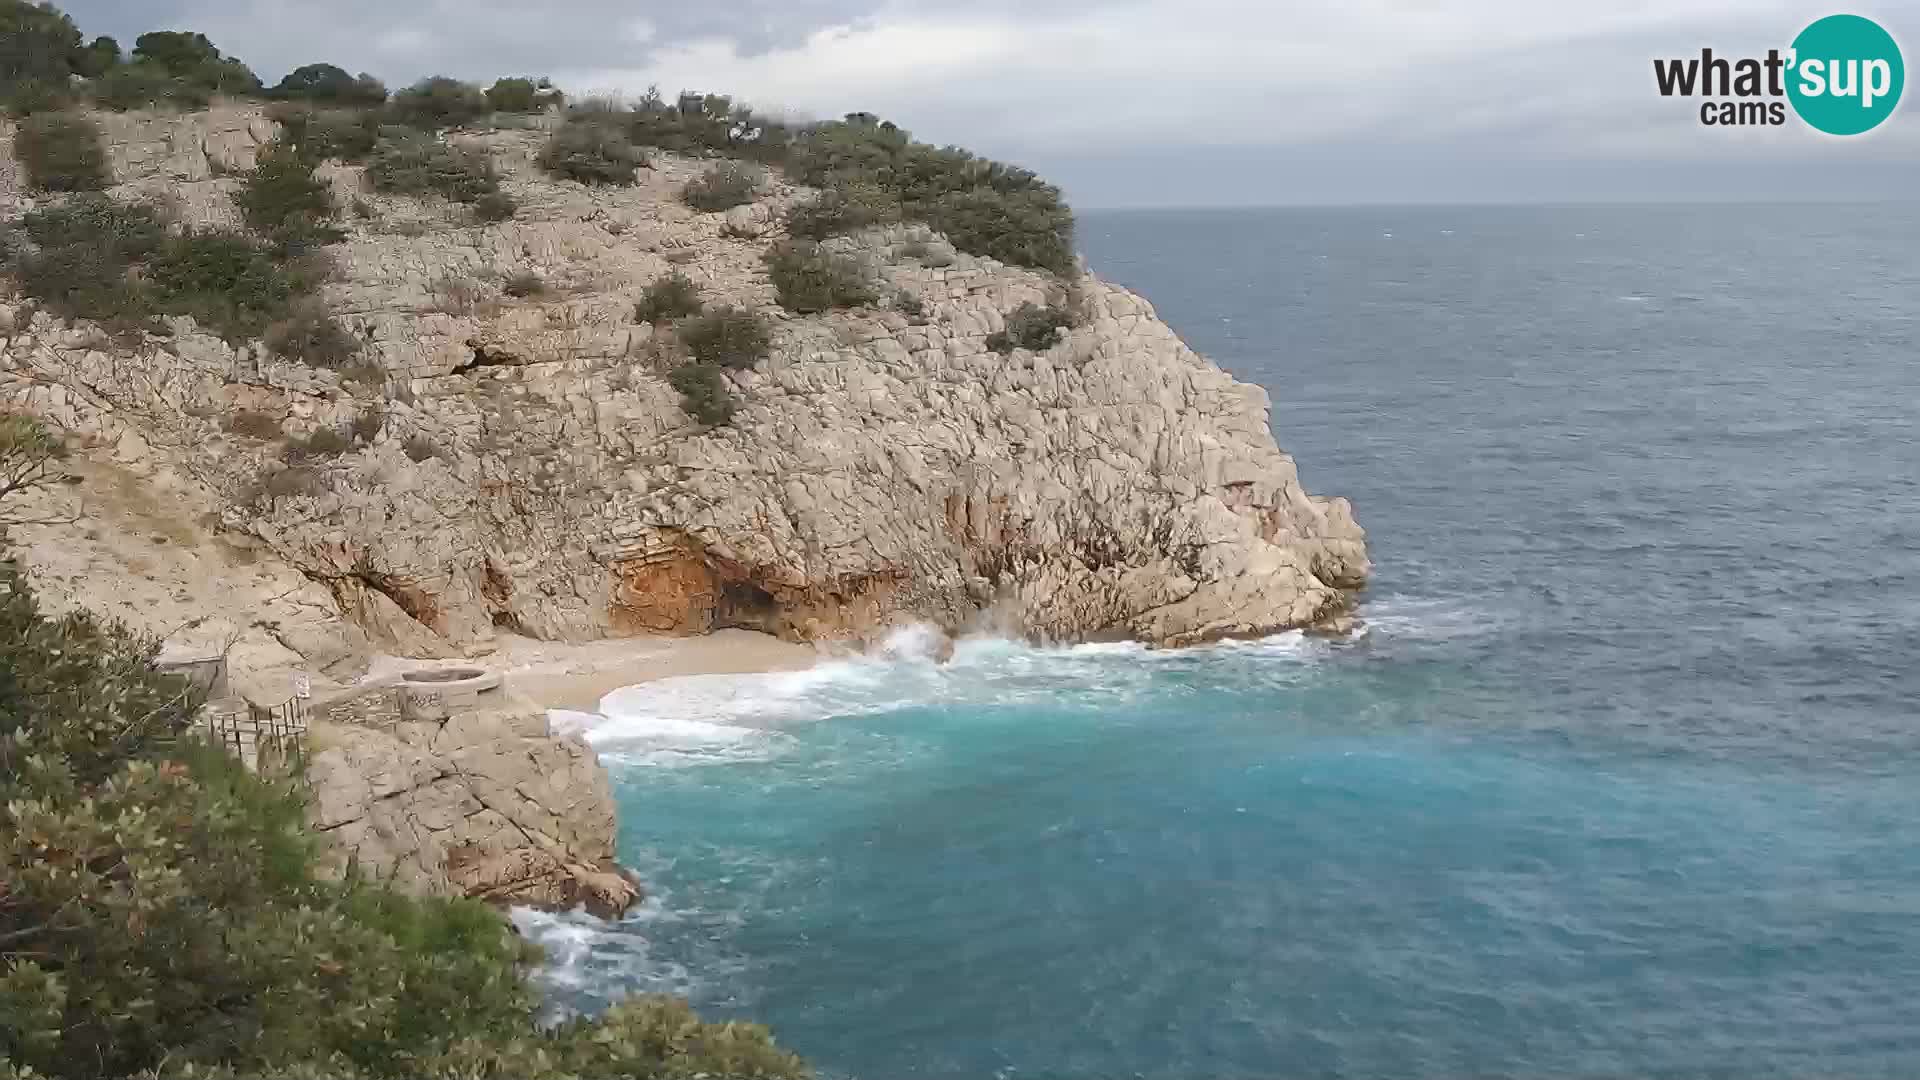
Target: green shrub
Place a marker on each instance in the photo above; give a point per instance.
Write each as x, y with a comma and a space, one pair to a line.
1030, 327
225, 281
85, 281
985, 207
516, 95
673, 296
1024, 228
841, 210
438, 103
367, 423
524, 285
419, 448
592, 152
38, 44
311, 335
722, 187
495, 206
704, 393
809, 279
319, 134
319, 444
100, 56
130, 231
30, 98
255, 424
194, 60
163, 910
412, 164
282, 200
147, 86
61, 152
727, 337
298, 481
328, 84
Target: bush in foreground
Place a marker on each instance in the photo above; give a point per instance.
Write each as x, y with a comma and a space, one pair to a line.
311, 335
282, 200
810, 279
704, 393
727, 337
226, 282
592, 152
722, 187
413, 164
161, 912
673, 296
322, 133
61, 151
1030, 327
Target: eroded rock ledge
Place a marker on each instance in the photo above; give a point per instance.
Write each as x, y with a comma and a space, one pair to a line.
881, 467
478, 801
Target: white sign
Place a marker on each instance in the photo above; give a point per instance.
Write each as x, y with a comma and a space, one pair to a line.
302, 685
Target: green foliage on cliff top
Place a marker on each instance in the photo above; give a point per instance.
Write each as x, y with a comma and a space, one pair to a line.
985, 207
161, 913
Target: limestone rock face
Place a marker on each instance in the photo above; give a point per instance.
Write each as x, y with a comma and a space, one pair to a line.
531, 468
488, 804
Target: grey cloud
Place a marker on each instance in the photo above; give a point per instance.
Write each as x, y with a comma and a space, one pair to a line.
474, 39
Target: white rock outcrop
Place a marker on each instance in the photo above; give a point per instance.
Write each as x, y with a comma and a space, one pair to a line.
530, 468
486, 803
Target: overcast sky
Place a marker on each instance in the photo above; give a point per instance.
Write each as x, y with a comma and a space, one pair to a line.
1160, 102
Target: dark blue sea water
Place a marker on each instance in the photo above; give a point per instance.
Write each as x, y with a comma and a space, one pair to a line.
1622, 781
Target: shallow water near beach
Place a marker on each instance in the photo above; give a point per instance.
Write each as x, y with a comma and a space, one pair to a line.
1620, 779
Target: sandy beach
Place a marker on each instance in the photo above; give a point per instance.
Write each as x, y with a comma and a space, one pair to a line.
576, 677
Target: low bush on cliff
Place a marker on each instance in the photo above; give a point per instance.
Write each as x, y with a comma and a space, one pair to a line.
729, 337
319, 133
84, 249
723, 187
704, 393
985, 207
282, 200
1031, 327
673, 296
408, 163
61, 151
810, 279
162, 911
841, 210
312, 335
591, 151
229, 283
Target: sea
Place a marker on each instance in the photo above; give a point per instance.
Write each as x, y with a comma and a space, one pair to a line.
1621, 777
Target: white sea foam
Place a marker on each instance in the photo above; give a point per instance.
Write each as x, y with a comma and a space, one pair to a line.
705, 718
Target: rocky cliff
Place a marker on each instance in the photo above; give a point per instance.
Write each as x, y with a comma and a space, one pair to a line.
483, 802
882, 466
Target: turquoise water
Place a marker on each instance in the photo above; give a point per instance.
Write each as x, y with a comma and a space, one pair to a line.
1621, 779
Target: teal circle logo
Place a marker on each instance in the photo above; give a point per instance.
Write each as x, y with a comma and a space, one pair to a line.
1846, 75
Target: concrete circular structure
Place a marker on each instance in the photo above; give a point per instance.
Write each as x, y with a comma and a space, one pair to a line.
437, 693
